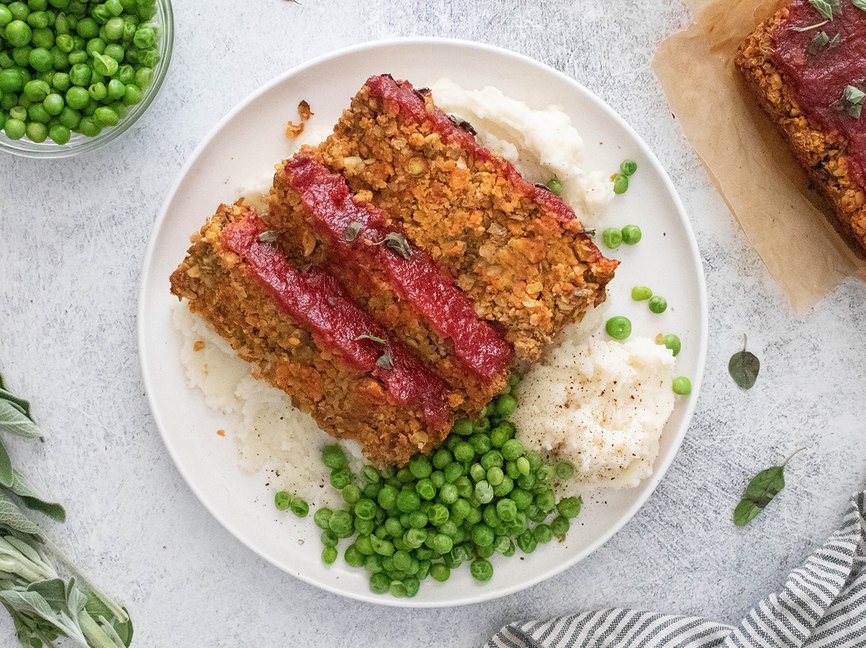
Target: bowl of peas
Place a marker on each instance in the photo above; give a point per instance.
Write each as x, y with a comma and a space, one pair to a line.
75, 74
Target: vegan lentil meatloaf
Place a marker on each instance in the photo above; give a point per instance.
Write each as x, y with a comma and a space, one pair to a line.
517, 250
807, 71
303, 334
320, 223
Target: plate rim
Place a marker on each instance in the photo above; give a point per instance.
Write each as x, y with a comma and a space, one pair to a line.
697, 381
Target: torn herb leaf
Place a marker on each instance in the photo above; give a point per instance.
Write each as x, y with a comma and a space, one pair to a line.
268, 236
386, 361
851, 101
822, 42
744, 367
399, 244
760, 491
860, 4
351, 232
823, 7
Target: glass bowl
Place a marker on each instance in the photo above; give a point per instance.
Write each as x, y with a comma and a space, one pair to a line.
78, 143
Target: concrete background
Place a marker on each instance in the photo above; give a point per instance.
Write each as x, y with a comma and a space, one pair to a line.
72, 239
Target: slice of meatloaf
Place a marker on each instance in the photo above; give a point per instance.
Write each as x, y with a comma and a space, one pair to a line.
515, 249
320, 223
798, 65
304, 335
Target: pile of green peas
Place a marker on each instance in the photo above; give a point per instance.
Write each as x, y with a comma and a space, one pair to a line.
73, 66
621, 180
480, 493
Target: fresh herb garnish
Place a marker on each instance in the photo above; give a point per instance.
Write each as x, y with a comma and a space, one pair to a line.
860, 4
760, 491
810, 27
588, 232
43, 601
372, 338
823, 7
744, 367
386, 361
821, 42
351, 231
851, 101
268, 236
399, 244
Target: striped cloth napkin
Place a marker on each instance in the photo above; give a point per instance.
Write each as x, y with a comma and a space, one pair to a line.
823, 605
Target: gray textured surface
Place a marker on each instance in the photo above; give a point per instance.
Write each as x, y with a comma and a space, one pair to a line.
72, 238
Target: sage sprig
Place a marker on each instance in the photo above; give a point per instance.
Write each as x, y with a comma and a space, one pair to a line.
44, 600
760, 491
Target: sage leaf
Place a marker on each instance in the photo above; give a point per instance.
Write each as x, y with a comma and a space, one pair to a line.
744, 367
53, 591
6, 476
268, 236
823, 7
11, 516
22, 404
760, 491
810, 27
14, 421
821, 42
351, 231
860, 4
23, 489
851, 101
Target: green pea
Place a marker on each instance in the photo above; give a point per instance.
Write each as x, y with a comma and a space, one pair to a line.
484, 491
5, 16
512, 449
425, 489
477, 472
628, 167
620, 183
481, 570
439, 572
555, 186
36, 90
87, 28
505, 405
19, 10
14, 129
64, 43
104, 64
542, 534
658, 304
499, 435
89, 127
462, 427
37, 113
559, 526
77, 97
408, 501
37, 132
70, 118
11, 81
464, 452
353, 557
21, 56
453, 471
631, 234
40, 59
682, 386
98, 91
612, 238
619, 327
420, 467
569, 507
114, 7
340, 522
523, 466
53, 104
322, 517
113, 29
670, 341
60, 81
19, 113
341, 477
329, 555
299, 507
442, 544
387, 497
18, 33
42, 37
380, 583
641, 293
78, 56
564, 470
144, 38
116, 90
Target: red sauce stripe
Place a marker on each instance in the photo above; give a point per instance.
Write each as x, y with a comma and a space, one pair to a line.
412, 106
417, 279
819, 79
317, 301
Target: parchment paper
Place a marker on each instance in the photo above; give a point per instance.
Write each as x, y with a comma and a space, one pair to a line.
790, 226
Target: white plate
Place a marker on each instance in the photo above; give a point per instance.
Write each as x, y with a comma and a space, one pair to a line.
243, 148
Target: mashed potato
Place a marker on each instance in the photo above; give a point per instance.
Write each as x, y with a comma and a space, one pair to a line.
599, 404
271, 435
540, 143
